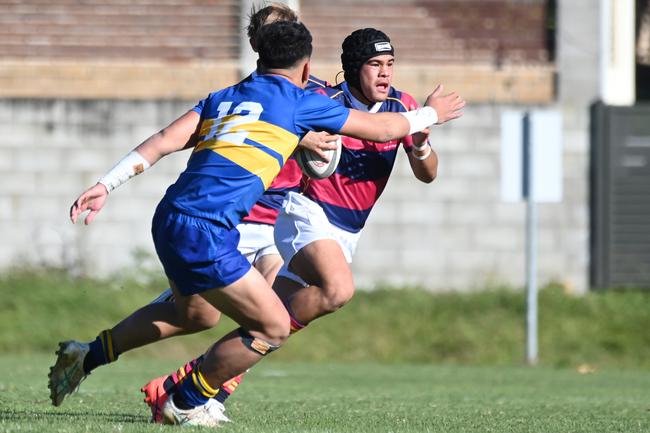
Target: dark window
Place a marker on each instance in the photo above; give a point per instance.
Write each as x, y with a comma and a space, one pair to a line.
642, 50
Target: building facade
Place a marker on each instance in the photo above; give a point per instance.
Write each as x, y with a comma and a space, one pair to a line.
90, 81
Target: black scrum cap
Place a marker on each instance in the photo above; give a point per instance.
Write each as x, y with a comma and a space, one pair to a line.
360, 46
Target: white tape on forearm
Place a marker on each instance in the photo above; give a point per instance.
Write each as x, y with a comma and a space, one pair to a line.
131, 165
420, 119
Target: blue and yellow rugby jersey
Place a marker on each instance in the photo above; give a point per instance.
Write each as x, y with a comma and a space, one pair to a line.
247, 133
268, 206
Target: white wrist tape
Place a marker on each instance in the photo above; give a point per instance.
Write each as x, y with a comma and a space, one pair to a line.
426, 154
131, 165
420, 119
423, 146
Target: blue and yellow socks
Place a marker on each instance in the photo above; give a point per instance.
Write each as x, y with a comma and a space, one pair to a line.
228, 388
189, 394
194, 391
101, 352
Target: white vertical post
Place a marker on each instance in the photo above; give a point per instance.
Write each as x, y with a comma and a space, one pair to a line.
293, 4
531, 242
617, 62
247, 57
531, 170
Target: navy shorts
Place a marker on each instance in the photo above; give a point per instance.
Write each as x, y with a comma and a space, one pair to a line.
197, 254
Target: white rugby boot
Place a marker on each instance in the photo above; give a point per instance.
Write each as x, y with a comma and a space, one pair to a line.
218, 410
204, 415
68, 372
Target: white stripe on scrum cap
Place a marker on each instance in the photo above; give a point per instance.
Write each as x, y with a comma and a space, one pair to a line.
382, 46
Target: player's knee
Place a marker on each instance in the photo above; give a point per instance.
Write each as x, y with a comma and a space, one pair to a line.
256, 344
269, 337
337, 293
276, 328
196, 321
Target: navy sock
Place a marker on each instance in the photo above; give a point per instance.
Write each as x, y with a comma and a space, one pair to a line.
168, 384
180, 402
101, 352
222, 395
193, 391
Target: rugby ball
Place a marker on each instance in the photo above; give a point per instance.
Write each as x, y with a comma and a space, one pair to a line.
314, 166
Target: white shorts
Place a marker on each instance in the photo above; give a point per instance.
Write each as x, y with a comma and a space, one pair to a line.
256, 241
301, 222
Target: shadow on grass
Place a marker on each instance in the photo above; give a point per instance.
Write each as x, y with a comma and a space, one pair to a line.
20, 415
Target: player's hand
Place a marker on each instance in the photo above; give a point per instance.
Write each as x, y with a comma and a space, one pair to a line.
318, 142
92, 199
447, 106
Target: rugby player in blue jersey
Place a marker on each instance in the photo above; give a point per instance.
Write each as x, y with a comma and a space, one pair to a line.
256, 240
318, 230
241, 137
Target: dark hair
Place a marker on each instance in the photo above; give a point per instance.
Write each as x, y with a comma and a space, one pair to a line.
269, 14
358, 47
282, 44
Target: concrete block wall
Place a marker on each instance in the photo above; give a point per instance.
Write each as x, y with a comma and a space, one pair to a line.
457, 234
453, 234
51, 150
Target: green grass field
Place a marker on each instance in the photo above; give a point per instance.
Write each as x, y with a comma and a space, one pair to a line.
603, 329
345, 397
394, 360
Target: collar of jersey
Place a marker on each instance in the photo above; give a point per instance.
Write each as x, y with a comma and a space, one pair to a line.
358, 105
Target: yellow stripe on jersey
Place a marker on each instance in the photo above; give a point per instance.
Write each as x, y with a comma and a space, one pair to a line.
250, 158
206, 125
278, 139
268, 135
400, 101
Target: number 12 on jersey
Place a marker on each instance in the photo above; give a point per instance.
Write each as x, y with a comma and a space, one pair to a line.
229, 127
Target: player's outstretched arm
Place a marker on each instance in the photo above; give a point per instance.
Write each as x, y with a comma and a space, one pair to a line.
180, 134
447, 106
379, 127
382, 127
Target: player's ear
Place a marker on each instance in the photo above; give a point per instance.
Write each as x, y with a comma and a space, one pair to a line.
305, 71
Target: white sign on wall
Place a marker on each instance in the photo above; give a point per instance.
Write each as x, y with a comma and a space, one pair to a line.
544, 138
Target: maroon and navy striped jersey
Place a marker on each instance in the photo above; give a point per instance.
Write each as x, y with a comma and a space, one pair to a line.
268, 206
348, 196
